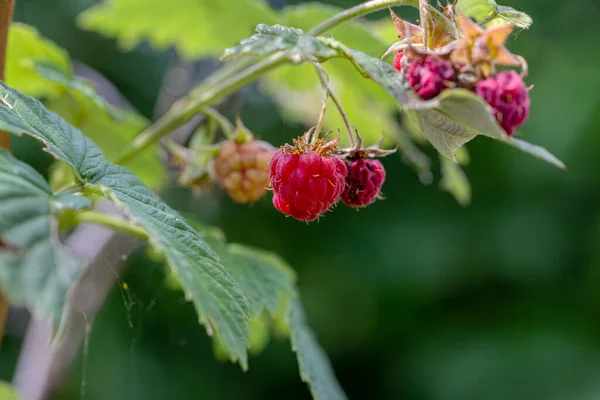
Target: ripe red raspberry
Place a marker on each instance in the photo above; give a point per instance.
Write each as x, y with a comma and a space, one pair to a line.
306, 184
242, 169
363, 182
507, 94
398, 60
429, 76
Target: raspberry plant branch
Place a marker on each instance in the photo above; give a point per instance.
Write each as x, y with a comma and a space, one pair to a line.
358, 11
234, 77
198, 99
6, 12
115, 223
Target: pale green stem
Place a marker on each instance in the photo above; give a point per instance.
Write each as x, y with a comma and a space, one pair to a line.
116, 223
208, 94
358, 11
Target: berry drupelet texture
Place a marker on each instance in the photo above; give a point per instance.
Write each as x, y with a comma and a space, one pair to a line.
429, 76
306, 185
363, 182
242, 169
398, 60
508, 96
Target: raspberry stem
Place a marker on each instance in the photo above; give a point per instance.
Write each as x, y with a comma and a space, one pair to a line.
329, 93
224, 124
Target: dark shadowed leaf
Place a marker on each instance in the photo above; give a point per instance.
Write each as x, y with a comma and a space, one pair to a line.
36, 270
219, 301
315, 368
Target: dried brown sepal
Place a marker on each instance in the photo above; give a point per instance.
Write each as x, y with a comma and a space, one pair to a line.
481, 49
358, 151
303, 144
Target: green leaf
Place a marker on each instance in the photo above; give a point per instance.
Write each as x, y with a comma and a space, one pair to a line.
315, 368
36, 270
455, 181
479, 10
26, 48
51, 72
112, 134
195, 27
270, 39
264, 277
458, 117
219, 301
519, 18
490, 13
7, 392
536, 151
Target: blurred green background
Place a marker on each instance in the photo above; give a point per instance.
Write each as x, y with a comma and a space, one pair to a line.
415, 297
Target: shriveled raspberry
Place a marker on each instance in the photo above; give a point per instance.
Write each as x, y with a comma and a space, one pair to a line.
428, 76
398, 60
363, 182
507, 94
242, 169
306, 185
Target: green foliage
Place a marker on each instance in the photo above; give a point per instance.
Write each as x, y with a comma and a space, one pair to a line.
7, 392
269, 283
219, 301
38, 270
536, 151
190, 25
456, 118
315, 368
39, 68
25, 49
270, 39
490, 13
455, 181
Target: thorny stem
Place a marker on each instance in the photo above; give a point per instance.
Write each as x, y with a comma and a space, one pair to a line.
119, 224
226, 83
323, 78
6, 11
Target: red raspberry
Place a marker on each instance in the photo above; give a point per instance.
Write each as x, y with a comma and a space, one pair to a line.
242, 169
306, 185
507, 94
363, 182
430, 75
398, 60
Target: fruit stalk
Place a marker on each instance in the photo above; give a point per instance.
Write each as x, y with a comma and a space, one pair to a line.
118, 224
6, 12
208, 95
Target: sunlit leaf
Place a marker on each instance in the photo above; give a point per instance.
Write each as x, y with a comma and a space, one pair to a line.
195, 27
536, 151
219, 301
25, 48
36, 270
7, 392
458, 117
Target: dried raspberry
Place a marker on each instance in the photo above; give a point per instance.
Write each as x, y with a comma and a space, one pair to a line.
363, 182
242, 169
305, 185
430, 75
508, 96
398, 60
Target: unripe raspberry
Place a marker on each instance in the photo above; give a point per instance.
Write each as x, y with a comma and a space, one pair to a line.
242, 169
429, 76
507, 94
363, 182
306, 185
398, 60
